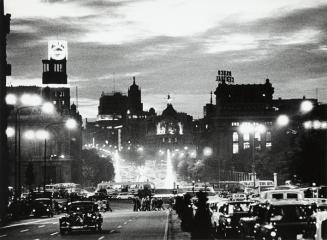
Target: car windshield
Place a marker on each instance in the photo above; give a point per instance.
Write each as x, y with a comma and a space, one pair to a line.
238, 207
82, 207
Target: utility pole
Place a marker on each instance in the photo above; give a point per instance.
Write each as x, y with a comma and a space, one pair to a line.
5, 70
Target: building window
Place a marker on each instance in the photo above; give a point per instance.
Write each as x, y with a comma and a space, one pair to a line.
246, 137
235, 148
246, 145
257, 136
235, 137
163, 140
175, 139
268, 137
235, 124
268, 145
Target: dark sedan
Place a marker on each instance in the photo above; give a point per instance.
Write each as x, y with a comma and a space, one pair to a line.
81, 215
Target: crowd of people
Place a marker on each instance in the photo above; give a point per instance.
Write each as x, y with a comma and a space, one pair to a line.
198, 222
147, 203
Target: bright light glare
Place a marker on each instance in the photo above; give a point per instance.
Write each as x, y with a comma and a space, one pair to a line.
306, 106
316, 124
31, 99
260, 128
48, 108
29, 134
283, 120
140, 149
71, 123
246, 128
307, 125
42, 134
207, 151
11, 99
10, 131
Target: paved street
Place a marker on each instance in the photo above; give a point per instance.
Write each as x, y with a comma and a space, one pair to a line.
122, 223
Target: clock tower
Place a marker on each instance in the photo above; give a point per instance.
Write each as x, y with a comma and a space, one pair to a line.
54, 68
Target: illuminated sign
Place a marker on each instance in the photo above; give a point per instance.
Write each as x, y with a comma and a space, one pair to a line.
225, 76
57, 50
169, 127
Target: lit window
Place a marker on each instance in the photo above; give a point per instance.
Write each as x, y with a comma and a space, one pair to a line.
268, 137
235, 124
235, 148
246, 145
235, 137
246, 137
268, 145
257, 136
163, 140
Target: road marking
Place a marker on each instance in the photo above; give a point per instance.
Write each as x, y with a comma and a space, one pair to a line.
55, 233
112, 231
55, 223
100, 238
125, 223
36, 239
4, 235
166, 227
41, 226
130, 220
24, 230
120, 226
27, 223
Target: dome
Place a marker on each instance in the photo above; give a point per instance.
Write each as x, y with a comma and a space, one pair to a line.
169, 111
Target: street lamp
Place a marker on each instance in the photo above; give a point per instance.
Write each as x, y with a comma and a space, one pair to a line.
25, 101
306, 106
70, 124
283, 120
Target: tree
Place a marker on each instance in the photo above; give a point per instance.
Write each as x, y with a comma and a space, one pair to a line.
95, 168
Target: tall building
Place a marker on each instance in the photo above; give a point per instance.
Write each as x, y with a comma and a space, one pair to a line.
135, 105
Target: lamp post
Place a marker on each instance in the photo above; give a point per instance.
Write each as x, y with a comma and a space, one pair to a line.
27, 101
69, 124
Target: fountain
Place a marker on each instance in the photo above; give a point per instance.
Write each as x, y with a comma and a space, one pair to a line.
170, 173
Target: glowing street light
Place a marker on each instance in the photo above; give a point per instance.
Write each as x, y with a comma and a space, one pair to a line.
42, 134
283, 120
306, 106
31, 99
71, 123
10, 131
11, 99
207, 151
29, 134
48, 108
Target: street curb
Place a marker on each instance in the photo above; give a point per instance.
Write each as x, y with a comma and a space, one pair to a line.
167, 226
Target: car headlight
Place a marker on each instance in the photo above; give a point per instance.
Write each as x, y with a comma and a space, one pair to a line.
33, 210
93, 217
273, 234
48, 210
229, 220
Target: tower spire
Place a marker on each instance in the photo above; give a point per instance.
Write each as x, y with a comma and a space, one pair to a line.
133, 80
211, 97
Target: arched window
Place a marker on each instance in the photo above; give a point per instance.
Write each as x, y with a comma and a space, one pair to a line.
235, 137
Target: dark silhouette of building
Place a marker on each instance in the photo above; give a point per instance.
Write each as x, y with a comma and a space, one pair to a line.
135, 105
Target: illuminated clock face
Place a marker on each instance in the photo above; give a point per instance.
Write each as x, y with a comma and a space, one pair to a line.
57, 50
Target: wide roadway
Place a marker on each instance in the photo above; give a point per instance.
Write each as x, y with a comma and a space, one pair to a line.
122, 223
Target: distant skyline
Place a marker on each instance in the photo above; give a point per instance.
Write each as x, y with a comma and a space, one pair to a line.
173, 47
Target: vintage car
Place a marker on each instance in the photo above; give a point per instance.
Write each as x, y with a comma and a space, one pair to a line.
42, 207
256, 215
81, 215
285, 219
231, 211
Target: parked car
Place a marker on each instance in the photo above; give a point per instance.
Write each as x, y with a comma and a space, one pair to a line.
42, 207
81, 215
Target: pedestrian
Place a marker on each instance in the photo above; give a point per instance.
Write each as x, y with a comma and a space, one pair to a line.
201, 228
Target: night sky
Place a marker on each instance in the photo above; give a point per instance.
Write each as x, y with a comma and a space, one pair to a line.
172, 46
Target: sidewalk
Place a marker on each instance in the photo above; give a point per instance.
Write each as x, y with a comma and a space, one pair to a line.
174, 231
